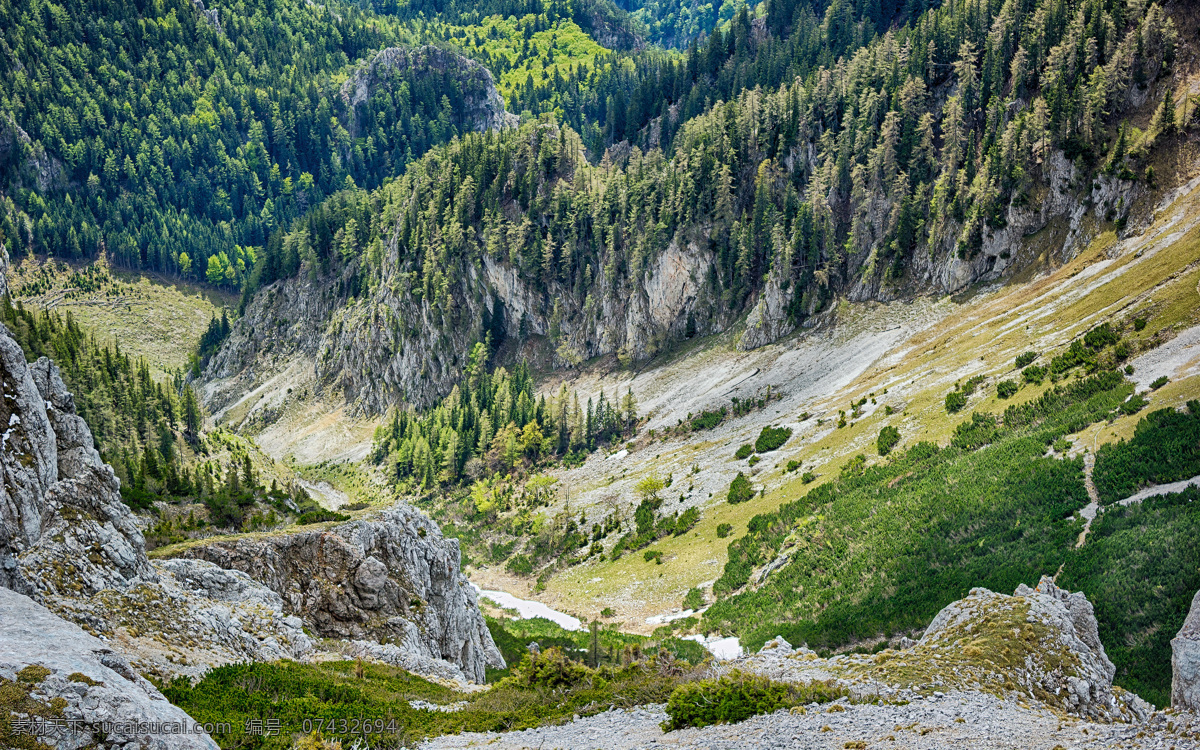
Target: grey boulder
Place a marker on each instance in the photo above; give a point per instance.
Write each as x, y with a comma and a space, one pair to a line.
1185, 661
86, 694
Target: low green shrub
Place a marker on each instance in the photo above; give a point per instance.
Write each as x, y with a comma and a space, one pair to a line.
694, 599
520, 565
955, 401
1076, 354
772, 438
320, 516
889, 436
1006, 388
1136, 403
1026, 359
743, 451
1165, 447
724, 530
1101, 336
740, 490
550, 668
737, 696
708, 419
686, 521
972, 383
1033, 374
792, 465
1159, 382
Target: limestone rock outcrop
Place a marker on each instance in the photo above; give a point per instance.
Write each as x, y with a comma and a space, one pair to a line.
63, 527
67, 689
1185, 661
483, 105
392, 579
1049, 635
1040, 644
68, 541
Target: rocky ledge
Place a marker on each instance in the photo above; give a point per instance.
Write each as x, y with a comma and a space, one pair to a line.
61, 687
69, 542
1038, 645
393, 579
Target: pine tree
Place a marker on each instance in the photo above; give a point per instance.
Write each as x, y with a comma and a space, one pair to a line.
629, 407
1166, 115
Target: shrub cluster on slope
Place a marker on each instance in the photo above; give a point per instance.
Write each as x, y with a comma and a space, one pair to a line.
1165, 448
351, 701
882, 549
1141, 568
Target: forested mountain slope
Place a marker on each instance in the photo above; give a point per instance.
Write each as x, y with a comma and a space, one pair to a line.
166, 135
916, 163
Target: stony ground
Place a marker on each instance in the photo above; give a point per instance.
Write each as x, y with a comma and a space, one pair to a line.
964, 721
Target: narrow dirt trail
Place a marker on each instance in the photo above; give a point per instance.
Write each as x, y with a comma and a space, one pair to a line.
1093, 507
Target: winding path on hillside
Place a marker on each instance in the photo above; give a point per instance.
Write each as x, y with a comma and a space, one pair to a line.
1093, 507
1090, 511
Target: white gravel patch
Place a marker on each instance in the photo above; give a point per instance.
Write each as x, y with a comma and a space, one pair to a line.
1178, 358
962, 721
527, 609
1161, 489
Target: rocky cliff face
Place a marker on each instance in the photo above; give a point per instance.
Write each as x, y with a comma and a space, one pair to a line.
945, 270
1185, 661
35, 168
393, 347
483, 105
63, 527
393, 579
68, 540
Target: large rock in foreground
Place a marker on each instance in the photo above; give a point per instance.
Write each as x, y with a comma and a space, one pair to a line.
392, 579
1055, 640
81, 692
68, 541
63, 527
1185, 661
1039, 644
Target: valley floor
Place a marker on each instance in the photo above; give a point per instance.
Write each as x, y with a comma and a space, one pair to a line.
962, 720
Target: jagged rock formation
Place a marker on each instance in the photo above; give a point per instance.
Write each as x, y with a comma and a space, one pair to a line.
483, 107
195, 616
1068, 666
1185, 661
211, 16
1041, 644
52, 669
68, 540
394, 579
63, 527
